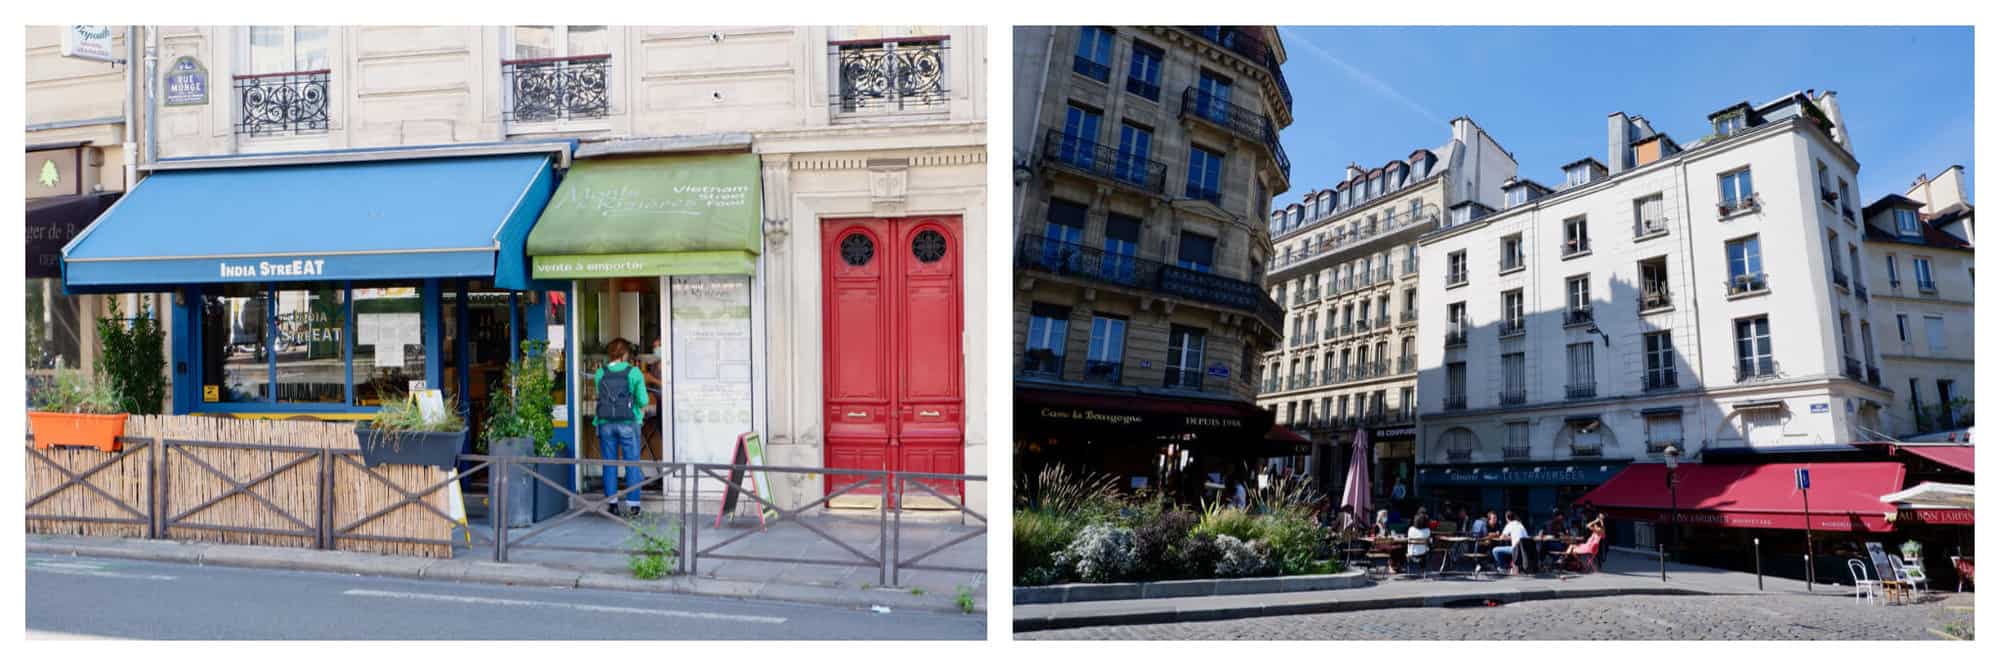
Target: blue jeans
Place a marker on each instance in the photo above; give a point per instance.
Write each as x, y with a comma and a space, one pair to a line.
1500, 551
620, 441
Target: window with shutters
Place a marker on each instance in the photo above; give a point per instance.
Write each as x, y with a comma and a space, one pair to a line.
1582, 371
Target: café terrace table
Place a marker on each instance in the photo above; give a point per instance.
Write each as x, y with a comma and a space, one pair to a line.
1552, 557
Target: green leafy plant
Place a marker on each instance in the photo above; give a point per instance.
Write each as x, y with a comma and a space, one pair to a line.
400, 416
1038, 537
75, 392
1058, 490
916, 591
525, 406
134, 361
966, 603
656, 547
1223, 519
1295, 541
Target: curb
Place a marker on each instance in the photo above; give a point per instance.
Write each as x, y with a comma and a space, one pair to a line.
1200, 587
1047, 617
483, 572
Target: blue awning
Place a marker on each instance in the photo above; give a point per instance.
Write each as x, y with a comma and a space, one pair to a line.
390, 219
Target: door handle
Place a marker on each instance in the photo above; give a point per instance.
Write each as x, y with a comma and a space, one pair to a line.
929, 413
857, 415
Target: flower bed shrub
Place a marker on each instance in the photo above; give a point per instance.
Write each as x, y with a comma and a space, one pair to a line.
1242, 559
1038, 538
1101, 553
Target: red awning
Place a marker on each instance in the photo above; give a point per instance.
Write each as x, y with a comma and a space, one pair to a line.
1283, 434
1844, 496
1956, 457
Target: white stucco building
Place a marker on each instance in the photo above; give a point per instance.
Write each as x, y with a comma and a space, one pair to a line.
1701, 297
1920, 256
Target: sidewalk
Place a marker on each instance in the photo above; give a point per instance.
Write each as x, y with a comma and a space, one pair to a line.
1628, 573
854, 586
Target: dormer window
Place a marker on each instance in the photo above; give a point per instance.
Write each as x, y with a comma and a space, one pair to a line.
1731, 123
1578, 174
1461, 215
1517, 196
1906, 223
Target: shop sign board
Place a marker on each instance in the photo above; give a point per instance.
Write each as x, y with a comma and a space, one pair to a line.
54, 173
186, 83
89, 42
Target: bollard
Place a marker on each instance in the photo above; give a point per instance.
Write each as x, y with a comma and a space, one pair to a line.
1663, 561
1757, 546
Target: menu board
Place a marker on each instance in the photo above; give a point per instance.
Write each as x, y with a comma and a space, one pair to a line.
710, 344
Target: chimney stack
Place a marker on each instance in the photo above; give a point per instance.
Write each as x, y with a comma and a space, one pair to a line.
1830, 105
1353, 171
1618, 142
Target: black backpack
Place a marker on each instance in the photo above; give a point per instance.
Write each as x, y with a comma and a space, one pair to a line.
614, 398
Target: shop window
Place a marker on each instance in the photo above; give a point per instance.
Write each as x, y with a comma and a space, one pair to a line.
289, 343
308, 326
235, 327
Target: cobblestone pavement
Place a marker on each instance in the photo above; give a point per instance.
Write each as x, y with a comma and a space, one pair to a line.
1638, 617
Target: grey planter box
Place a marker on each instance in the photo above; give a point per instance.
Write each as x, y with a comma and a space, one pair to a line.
529, 500
436, 449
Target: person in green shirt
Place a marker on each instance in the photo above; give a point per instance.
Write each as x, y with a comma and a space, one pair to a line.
621, 405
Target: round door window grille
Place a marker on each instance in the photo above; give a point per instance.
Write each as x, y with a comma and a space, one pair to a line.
857, 250
928, 246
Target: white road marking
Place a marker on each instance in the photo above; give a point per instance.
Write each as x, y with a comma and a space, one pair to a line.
48, 564
97, 574
39, 635
418, 596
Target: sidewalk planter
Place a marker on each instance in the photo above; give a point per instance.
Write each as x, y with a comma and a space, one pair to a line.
1199, 587
434, 449
98, 431
549, 501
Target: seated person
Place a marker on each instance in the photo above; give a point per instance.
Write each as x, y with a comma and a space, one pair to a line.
1513, 533
1420, 535
1589, 546
1558, 524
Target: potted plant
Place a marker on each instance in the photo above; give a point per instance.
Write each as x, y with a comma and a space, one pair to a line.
400, 434
77, 410
521, 423
1913, 551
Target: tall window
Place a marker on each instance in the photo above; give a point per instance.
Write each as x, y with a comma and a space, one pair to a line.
1578, 288
1454, 375
1737, 191
1902, 328
1184, 349
1517, 439
1649, 215
1576, 235
1753, 347
1048, 328
1934, 333
1093, 52
1135, 149
1660, 360
1121, 247
1106, 358
1065, 235
1514, 378
1662, 430
1454, 318
1204, 175
1893, 280
1922, 266
1746, 264
1142, 78
1510, 252
1512, 312
1582, 370
1454, 271
278, 49
1197, 252
1079, 143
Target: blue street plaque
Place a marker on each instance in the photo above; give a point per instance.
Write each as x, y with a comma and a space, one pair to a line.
1819, 408
186, 82
1218, 371
1801, 478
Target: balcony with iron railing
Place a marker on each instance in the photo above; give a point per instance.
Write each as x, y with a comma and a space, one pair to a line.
1238, 120
891, 75
1926, 286
1407, 317
1513, 326
1661, 380
1586, 450
1578, 316
1660, 445
1102, 161
1515, 396
1036, 252
1458, 455
282, 102
1248, 45
1744, 204
1655, 296
1331, 332
1361, 325
1874, 375
1512, 263
1454, 337
1142, 87
1103, 372
1580, 391
1645, 228
1752, 370
1861, 291
1514, 452
1454, 278
1748, 283
557, 89
1392, 221
1454, 402
1840, 278
1381, 322
1851, 368
1199, 192
1347, 329
1184, 378
1041, 363
1575, 246
1406, 364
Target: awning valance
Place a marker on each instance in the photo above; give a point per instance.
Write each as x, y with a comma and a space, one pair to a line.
652, 215
389, 219
1845, 496
1955, 457
1135, 418
53, 222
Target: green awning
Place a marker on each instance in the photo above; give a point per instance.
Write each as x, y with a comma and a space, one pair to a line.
653, 215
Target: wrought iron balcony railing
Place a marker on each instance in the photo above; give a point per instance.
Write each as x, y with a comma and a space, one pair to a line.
1514, 452
1745, 203
1660, 445
1861, 291
1927, 285
1248, 45
1518, 396
1851, 367
1655, 296
1103, 372
1454, 337
1759, 369
1458, 455
1406, 364
1104, 161
559, 88
1580, 391
1746, 283
1041, 363
1075, 260
1455, 278
894, 74
1576, 246
1203, 193
1649, 227
1184, 378
1361, 325
1091, 68
1840, 278
1238, 120
1874, 375
1512, 327
1382, 321
1454, 402
1410, 265
1661, 379
1407, 317
1392, 221
1578, 316
1511, 263
1142, 88
282, 102
1331, 332
1586, 450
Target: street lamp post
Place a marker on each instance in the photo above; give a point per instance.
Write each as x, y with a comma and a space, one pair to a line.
1673, 455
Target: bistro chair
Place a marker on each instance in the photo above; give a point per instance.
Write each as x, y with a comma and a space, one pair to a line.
1418, 564
1963, 567
1863, 585
1910, 574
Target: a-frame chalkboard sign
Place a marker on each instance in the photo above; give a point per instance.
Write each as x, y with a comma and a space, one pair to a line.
749, 451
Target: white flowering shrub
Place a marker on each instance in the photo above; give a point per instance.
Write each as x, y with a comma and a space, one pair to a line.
1241, 559
1101, 553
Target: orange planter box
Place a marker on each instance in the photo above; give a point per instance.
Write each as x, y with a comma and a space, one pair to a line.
99, 431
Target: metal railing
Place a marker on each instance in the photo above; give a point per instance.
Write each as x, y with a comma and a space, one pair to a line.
1458, 455
1660, 445
1094, 264
1851, 367
1406, 364
1092, 158
1454, 402
1407, 317
1247, 45
1576, 246
1747, 202
283, 102
1861, 291
1513, 262
892, 74
1454, 337
559, 88
1927, 285
1512, 327
1142, 88
1586, 450
1657, 380
1391, 222
1644, 228
1757, 370
1517, 396
1102, 372
1746, 283
1578, 316
1514, 452
1580, 391
1840, 278
1874, 375
1238, 120
1655, 296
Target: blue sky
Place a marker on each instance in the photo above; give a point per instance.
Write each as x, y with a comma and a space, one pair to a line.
1370, 95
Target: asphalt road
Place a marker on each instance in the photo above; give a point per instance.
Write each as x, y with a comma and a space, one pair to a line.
72, 597
1635, 617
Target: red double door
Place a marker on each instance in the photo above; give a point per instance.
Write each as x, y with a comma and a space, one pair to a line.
894, 367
